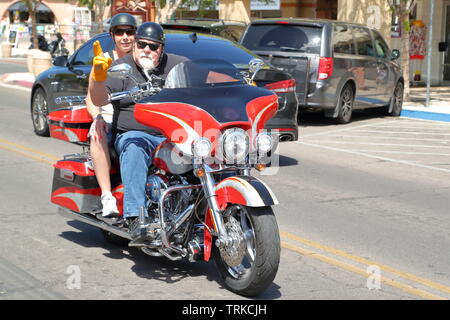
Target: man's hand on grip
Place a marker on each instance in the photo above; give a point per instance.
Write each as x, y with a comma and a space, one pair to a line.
100, 64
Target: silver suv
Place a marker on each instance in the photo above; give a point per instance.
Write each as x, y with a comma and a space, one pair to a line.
338, 66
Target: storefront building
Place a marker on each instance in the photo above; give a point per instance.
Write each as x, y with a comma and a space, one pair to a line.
64, 16
376, 13
75, 23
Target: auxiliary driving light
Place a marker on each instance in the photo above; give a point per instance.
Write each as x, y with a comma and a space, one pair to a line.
264, 142
201, 147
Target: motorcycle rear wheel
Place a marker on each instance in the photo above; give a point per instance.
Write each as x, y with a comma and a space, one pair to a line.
259, 265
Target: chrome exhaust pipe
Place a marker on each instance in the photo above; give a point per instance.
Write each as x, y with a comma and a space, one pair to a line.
89, 219
286, 137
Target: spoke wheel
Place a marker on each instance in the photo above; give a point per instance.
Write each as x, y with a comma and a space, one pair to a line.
39, 112
345, 105
396, 104
249, 262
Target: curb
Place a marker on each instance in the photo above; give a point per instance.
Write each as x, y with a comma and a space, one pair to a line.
425, 115
25, 80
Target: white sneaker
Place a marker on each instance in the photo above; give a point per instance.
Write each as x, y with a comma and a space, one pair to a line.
109, 205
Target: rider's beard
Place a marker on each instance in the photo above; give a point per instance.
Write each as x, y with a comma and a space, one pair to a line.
147, 63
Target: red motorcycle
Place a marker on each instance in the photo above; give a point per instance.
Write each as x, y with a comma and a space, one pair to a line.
201, 197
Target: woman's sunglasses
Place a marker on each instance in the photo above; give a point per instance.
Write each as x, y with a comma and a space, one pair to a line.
152, 46
120, 32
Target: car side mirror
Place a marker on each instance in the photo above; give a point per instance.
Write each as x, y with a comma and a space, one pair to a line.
60, 61
395, 54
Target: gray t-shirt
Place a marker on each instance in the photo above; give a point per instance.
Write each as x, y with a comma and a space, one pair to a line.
123, 118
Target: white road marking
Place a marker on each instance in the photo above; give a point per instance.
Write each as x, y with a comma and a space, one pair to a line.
10, 86
344, 129
403, 132
389, 138
384, 144
402, 152
409, 163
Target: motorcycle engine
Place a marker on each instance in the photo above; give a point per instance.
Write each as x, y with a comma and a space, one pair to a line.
174, 203
156, 183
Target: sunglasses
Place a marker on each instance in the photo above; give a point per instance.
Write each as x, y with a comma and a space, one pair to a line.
152, 46
120, 32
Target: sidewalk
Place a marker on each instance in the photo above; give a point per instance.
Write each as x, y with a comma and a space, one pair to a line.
438, 110
21, 79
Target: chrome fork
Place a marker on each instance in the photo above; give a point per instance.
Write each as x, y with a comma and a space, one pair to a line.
208, 184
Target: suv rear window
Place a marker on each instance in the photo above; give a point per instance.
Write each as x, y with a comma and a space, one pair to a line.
283, 37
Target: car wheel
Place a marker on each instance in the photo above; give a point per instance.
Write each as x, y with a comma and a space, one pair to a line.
345, 105
39, 112
394, 109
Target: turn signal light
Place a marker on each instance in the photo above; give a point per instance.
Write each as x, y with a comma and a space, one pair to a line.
260, 166
200, 172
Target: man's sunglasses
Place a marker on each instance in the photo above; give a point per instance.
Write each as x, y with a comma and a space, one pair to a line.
152, 46
120, 32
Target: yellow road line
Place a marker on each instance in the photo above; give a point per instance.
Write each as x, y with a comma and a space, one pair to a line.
402, 274
19, 146
348, 267
26, 155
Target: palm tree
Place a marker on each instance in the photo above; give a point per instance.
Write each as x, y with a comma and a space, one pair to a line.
32, 5
402, 9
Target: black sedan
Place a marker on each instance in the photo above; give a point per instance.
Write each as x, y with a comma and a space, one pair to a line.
69, 77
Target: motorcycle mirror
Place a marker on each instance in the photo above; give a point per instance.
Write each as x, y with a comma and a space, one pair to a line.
121, 71
255, 65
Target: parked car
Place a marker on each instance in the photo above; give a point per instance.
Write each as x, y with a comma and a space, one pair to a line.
338, 66
69, 77
231, 30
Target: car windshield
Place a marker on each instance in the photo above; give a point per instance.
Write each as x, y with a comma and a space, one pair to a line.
203, 73
283, 37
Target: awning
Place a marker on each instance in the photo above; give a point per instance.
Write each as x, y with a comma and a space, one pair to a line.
21, 6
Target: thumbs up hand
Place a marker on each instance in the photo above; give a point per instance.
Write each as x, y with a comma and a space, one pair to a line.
100, 64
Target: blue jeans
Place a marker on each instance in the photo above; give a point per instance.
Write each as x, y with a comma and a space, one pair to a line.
135, 150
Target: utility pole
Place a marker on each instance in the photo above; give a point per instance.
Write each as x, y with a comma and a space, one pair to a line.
430, 51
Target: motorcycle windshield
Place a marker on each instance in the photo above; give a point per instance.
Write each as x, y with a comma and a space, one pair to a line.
214, 85
203, 73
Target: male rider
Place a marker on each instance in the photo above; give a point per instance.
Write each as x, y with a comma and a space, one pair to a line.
134, 142
122, 30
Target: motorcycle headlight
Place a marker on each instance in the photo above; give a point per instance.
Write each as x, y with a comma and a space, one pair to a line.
264, 142
201, 148
235, 145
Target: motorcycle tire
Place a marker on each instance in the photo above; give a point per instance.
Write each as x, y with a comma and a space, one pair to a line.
260, 265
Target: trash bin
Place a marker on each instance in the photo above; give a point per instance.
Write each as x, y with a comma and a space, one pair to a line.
6, 49
42, 60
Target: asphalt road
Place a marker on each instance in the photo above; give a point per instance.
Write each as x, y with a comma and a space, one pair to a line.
363, 215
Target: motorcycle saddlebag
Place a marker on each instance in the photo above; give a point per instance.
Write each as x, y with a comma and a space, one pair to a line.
70, 124
75, 186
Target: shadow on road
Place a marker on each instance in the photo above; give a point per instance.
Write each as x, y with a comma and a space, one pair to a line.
317, 119
148, 267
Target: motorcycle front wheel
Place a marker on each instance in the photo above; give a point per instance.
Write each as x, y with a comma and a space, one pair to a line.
249, 263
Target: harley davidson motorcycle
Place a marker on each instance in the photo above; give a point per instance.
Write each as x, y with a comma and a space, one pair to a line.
202, 200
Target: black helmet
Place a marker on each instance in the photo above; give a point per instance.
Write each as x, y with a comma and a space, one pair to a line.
122, 19
150, 31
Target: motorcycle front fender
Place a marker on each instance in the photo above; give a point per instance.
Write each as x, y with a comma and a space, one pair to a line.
245, 190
